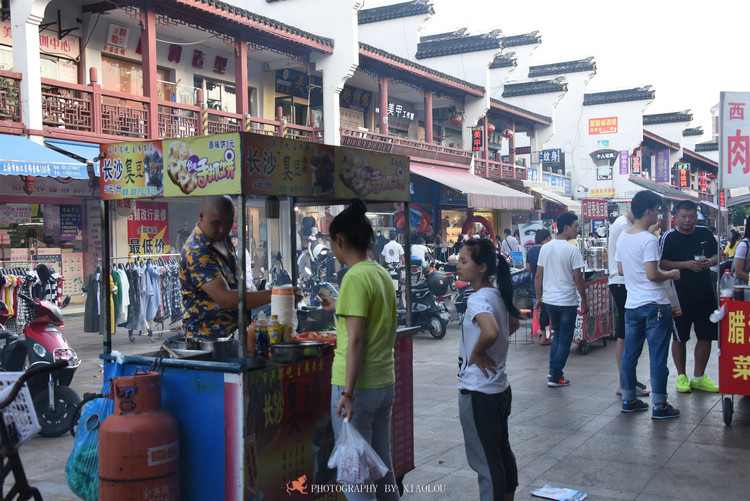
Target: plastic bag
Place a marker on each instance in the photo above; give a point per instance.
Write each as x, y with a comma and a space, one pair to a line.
673, 299
82, 468
356, 460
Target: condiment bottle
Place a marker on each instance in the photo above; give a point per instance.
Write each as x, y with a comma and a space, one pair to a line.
261, 329
275, 330
251, 339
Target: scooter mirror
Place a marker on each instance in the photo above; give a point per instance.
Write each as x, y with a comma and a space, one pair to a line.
66, 301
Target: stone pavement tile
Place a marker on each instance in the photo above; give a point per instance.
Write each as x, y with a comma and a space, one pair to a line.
617, 477
450, 456
640, 424
594, 493
720, 435
687, 481
625, 450
447, 484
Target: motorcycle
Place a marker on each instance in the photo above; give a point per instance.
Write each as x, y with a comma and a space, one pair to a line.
523, 288
428, 312
43, 344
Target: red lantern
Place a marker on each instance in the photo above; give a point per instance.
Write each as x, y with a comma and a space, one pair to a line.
507, 133
457, 119
490, 128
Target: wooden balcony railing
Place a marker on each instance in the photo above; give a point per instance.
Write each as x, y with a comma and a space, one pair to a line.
10, 96
433, 153
490, 169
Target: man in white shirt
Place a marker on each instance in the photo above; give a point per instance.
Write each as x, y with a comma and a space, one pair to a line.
648, 313
619, 292
510, 244
420, 251
392, 251
559, 275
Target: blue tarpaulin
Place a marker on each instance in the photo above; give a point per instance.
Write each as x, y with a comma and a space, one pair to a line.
20, 156
85, 152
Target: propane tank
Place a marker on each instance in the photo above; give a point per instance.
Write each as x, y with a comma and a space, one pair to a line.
139, 449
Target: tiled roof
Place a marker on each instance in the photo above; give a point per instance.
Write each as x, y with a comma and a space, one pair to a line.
668, 118
532, 38
365, 49
545, 70
662, 189
619, 96
503, 60
693, 156
660, 140
693, 131
558, 84
283, 34
708, 146
517, 110
458, 42
395, 11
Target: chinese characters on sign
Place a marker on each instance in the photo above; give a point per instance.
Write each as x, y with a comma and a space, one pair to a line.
594, 209
549, 156
71, 222
734, 358
735, 139
117, 36
131, 170
624, 162
662, 166
595, 324
148, 229
476, 139
603, 125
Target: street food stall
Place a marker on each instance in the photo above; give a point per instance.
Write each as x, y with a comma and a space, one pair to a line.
597, 323
734, 354
254, 427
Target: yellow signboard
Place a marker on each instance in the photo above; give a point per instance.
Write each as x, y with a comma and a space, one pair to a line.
371, 175
132, 170
202, 165
602, 192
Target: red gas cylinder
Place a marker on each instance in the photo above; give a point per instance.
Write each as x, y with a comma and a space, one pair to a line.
139, 449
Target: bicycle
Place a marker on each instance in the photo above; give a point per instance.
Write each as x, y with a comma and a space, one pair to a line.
18, 422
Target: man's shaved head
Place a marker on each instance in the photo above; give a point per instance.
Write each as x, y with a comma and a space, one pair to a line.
220, 203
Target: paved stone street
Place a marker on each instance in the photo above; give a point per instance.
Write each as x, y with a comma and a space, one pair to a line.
572, 437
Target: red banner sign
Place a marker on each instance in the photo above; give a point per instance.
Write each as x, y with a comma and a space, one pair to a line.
148, 229
476, 139
597, 322
606, 125
734, 357
594, 209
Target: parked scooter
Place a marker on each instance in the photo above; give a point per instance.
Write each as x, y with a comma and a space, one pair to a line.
42, 344
427, 311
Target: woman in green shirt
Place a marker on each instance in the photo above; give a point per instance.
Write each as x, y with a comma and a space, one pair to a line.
363, 375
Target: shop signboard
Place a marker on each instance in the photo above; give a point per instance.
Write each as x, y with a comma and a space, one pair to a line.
594, 209
148, 229
132, 170
476, 139
566, 186
355, 99
662, 166
549, 156
72, 270
52, 221
298, 84
734, 357
624, 159
734, 141
71, 222
15, 213
607, 125
602, 192
49, 255
532, 173
202, 165
683, 173
284, 167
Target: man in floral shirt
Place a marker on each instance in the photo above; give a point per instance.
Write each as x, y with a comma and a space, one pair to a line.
209, 274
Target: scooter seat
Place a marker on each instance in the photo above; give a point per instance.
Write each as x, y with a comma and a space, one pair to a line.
460, 284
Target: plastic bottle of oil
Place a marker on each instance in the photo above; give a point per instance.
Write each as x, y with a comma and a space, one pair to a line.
275, 330
261, 332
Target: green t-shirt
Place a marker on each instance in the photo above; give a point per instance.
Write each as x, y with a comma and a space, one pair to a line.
367, 291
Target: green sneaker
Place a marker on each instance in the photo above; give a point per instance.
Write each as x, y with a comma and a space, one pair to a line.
683, 385
704, 384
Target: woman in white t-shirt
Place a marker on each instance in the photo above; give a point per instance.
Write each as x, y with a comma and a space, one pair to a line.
741, 257
484, 391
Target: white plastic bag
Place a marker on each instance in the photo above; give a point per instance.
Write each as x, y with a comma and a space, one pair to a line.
356, 460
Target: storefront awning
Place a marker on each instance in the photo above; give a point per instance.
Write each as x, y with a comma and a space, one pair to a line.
20, 156
83, 152
558, 198
480, 193
714, 206
661, 189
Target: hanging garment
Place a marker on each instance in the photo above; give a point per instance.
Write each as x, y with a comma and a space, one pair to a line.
91, 311
124, 293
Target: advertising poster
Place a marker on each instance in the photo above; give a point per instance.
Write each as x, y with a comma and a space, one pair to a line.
202, 165
735, 139
15, 213
132, 170
148, 229
71, 222
596, 323
72, 270
734, 357
371, 175
594, 209
624, 160
52, 222
527, 231
662, 166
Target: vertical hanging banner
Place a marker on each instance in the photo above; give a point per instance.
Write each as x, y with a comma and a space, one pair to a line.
476, 139
661, 173
624, 160
71, 222
734, 143
148, 229
202, 165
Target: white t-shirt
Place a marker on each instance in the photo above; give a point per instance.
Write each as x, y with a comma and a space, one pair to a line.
485, 300
559, 258
419, 251
621, 224
741, 250
510, 244
392, 252
633, 251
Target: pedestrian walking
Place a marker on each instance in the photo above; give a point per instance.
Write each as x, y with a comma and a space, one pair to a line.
692, 250
648, 313
541, 237
559, 275
484, 398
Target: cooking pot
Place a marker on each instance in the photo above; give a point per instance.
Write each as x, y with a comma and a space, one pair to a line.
221, 349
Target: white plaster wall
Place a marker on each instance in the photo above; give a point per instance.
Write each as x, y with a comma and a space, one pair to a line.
689, 142
670, 131
471, 66
498, 78
628, 137
397, 36
543, 104
524, 54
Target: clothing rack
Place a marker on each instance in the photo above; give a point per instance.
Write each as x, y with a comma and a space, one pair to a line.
157, 328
